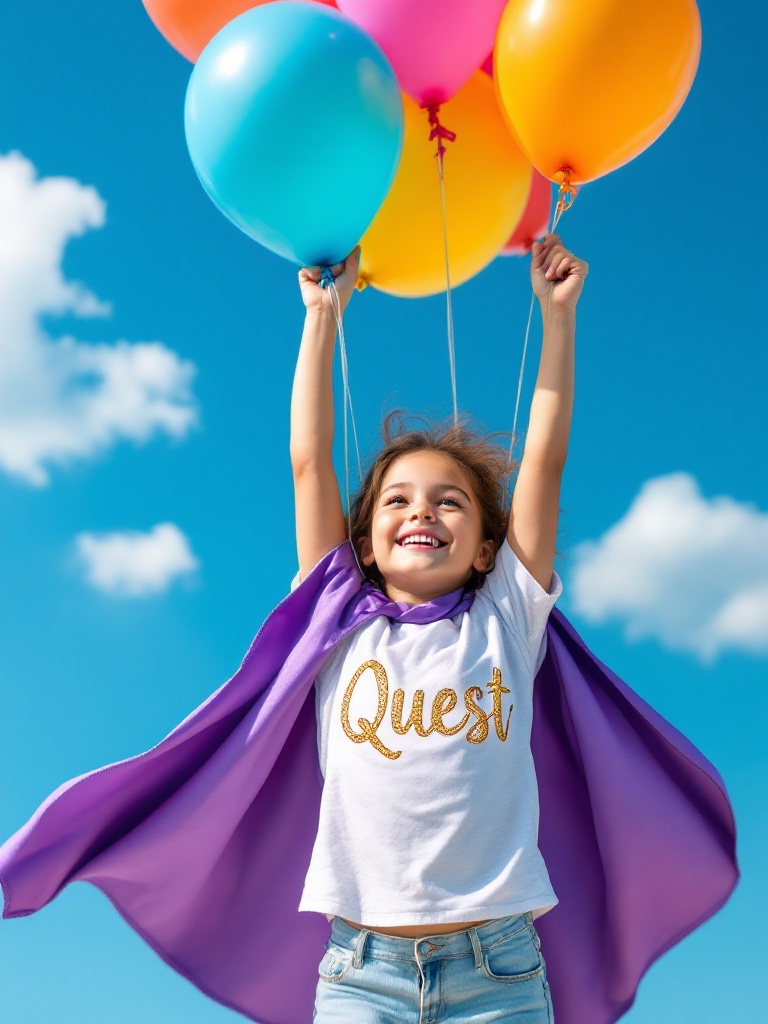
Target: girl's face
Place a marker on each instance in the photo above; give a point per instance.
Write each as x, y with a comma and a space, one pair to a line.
426, 534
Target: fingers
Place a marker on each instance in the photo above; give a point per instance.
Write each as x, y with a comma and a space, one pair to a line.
548, 253
309, 274
353, 260
351, 264
541, 250
559, 266
552, 259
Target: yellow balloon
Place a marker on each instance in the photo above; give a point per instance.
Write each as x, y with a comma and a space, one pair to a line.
589, 85
486, 179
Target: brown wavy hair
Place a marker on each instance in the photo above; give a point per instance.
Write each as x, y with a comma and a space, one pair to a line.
486, 463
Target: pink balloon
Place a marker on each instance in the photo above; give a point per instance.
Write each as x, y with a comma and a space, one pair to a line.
487, 67
434, 45
535, 220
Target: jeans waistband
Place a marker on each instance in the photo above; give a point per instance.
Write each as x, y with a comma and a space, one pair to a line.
429, 947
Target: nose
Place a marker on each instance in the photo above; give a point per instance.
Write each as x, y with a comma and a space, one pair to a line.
422, 511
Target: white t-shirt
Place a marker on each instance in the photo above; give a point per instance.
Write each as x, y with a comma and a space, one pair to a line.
430, 812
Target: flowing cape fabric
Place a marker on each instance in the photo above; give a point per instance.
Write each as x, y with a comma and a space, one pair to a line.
202, 843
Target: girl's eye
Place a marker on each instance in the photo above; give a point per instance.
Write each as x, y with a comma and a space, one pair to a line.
400, 499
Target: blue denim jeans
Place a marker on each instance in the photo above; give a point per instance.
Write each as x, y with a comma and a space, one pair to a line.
491, 973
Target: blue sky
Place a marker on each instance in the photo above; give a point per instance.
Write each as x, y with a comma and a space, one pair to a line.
169, 405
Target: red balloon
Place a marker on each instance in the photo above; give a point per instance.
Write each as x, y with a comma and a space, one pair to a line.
535, 220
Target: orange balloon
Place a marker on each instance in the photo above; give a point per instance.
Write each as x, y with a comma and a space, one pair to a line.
587, 86
486, 179
189, 25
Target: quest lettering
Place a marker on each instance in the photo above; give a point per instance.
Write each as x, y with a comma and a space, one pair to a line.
444, 702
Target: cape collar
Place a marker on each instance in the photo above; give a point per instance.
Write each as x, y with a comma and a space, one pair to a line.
446, 606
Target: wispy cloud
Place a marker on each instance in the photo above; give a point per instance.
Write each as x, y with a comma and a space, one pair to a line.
691, 572
134, 564
60, 398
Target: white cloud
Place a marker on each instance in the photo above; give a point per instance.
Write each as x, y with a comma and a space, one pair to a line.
133, 564
60, 398
689, 571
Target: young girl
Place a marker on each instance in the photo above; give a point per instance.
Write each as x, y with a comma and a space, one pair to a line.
426, 855
422, 841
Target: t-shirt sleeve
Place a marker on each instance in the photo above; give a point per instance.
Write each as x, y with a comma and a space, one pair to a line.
521, 602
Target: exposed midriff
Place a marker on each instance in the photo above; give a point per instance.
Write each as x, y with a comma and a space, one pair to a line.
416, 931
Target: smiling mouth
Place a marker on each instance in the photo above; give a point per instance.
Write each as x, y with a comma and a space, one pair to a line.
422, 543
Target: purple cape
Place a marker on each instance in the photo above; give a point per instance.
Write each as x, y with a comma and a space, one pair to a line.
202, 843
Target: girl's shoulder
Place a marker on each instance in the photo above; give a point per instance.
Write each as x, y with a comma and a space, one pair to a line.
510, 592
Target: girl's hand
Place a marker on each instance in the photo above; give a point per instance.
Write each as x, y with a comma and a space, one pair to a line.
345, 274
557, 275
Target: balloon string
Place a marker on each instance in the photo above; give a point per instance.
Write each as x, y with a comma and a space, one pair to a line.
565, 202
522, 370
439, 132
327, 281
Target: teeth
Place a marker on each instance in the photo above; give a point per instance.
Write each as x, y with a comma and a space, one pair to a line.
421, 539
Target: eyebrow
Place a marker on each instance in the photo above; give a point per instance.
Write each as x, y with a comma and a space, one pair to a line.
439, 487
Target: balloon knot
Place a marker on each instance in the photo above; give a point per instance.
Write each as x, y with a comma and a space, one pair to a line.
326, 277
567, 192
362, 282
439, 132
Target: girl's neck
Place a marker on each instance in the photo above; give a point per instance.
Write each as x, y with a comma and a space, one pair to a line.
407, 597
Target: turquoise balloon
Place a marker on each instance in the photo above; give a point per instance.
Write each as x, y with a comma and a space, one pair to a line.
294, 122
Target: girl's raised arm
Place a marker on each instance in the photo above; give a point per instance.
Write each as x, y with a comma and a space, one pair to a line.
320, 525
557, 278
